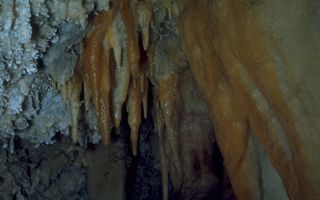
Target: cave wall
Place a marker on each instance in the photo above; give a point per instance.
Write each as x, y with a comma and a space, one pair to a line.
39, 47
242, 74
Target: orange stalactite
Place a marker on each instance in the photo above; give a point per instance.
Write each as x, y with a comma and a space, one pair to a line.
97, 73
92, 54
104, 95
234, 69
127, 13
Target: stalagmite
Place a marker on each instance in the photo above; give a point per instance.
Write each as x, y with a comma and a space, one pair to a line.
144, 15
134, 114
128, 16
92, 54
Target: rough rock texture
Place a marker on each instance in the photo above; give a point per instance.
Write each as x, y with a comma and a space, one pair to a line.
39, 47
242, 74
55, 171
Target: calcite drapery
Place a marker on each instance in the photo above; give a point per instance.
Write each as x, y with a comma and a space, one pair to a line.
107, 83
97, 76
127, 12
228, 49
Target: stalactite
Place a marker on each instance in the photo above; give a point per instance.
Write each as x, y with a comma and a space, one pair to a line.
134, 114
104, 94
105, 35
116, 37
120, 90
144, 15
128, 16
96, 63
111, 82
74, 90
230, 54
92, 54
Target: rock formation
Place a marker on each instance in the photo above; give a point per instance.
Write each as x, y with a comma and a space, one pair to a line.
238, 77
